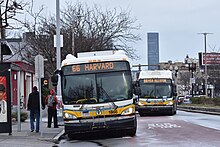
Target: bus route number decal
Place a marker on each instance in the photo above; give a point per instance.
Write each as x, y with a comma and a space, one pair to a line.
76, 68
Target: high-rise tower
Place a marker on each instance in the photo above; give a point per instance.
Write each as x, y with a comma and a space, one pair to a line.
153, 50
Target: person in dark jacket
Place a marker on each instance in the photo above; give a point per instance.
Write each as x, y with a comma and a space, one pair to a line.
34, 107
52, 111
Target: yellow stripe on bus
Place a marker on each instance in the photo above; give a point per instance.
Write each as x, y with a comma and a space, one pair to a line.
94, 113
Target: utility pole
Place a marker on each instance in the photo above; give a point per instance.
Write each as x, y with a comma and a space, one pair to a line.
58, 44
206, 78
58, 55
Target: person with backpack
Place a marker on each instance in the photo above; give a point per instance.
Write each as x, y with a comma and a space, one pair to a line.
34, 107
51, 102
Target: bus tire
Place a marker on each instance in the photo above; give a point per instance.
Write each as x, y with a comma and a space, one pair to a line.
71, 136
172, 112
132, 132
141, 114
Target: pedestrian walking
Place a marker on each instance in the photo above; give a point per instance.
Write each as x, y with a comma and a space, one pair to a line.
51, 102
34, 107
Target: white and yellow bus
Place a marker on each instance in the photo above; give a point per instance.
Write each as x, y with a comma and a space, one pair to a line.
156, 92
97, 93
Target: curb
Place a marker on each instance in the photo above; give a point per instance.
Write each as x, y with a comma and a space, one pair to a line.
211, 111
48, 139
55, 139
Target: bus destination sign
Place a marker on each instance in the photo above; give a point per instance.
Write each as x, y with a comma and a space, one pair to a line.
95, 67
156, 80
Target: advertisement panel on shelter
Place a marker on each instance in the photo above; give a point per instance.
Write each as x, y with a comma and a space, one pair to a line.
3, 99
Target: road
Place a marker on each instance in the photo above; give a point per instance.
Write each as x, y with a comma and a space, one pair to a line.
183, 129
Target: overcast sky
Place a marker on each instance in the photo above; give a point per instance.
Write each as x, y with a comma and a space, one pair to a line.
178, 23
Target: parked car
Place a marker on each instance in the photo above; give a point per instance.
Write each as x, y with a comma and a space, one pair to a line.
187, 100
180, 99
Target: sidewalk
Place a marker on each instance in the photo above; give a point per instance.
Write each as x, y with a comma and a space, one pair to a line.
47, 137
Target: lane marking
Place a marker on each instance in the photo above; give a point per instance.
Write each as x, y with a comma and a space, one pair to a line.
163, 126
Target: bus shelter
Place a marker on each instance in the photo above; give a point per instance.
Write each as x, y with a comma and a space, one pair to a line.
6, 69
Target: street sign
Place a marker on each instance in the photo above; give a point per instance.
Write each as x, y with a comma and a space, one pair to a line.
39, 66
55, 41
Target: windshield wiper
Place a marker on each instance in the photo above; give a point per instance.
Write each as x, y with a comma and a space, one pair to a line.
106, 94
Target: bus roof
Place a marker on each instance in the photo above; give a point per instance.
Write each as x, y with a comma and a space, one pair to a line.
165, 74
95, 57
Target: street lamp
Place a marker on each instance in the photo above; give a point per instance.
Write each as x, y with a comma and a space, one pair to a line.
206, 78
192, 68
191, 65
174, 69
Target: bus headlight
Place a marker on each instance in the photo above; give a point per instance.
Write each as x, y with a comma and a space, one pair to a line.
127, 111
69, 116
141, 103
170, 103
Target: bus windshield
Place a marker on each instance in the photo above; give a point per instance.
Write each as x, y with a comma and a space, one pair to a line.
156, 90
96, 87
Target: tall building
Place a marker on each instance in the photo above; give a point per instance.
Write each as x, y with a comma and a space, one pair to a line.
153, 50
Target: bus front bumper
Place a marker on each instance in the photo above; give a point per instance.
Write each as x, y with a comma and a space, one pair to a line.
101, 124
149, 108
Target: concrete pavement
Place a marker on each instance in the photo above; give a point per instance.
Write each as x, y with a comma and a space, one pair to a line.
47, 137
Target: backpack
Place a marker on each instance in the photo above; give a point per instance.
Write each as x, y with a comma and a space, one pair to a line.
50, 101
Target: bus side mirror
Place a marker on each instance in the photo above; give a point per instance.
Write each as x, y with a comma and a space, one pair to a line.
174, 94
54, 80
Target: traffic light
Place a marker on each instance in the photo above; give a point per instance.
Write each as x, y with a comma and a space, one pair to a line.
44, 87
193, 66
44, 83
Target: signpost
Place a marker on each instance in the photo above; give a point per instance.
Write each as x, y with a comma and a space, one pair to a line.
58, 44
39, 70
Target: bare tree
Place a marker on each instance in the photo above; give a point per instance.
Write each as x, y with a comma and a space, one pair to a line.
96, 29
184, 79
83, 29
8, 10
